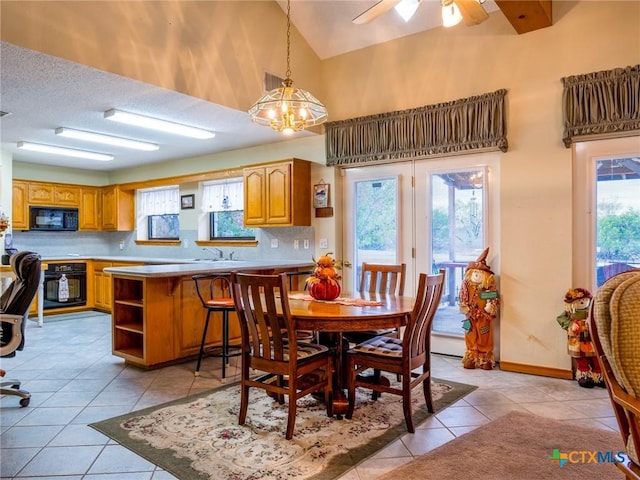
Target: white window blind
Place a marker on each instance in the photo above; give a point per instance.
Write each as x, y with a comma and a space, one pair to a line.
223, 195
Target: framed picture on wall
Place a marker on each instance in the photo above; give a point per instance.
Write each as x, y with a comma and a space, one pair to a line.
187, 201
321, 195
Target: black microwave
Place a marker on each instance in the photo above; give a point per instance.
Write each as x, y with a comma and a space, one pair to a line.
53, 219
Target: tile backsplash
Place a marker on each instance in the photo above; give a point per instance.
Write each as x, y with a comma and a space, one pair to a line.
61, 244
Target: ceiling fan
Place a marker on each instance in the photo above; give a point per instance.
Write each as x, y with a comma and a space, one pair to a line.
471, 12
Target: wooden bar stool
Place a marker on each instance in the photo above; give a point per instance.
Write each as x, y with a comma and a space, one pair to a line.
216, 297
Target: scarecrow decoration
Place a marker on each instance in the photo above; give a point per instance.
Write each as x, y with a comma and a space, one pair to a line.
479, 301
575, 320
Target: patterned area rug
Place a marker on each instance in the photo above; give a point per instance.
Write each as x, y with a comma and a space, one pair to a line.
199, 437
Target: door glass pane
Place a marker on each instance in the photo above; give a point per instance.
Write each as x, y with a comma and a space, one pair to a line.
457, 237
376, 223
618, 217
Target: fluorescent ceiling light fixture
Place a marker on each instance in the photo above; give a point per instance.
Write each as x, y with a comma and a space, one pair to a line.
67, 152
106, 139
406, 8
156, 124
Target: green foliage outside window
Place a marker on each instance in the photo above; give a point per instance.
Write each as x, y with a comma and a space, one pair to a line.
619, 236
230, 224
375, 225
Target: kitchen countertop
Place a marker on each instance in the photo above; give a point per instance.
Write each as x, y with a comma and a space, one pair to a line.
192, 267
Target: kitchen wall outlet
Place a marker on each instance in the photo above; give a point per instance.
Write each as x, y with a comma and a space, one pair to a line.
296, 244
305, 244
324, 243
185, 243
121, 244
274, 243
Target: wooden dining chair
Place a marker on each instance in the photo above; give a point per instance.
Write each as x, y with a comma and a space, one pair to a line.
380, 279
400, 356
383, 279
292, 369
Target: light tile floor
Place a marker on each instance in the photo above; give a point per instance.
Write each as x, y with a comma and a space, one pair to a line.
74, 380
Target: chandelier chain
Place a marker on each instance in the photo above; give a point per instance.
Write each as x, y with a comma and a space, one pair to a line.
288, 73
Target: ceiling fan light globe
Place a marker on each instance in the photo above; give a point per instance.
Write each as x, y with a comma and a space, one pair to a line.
406, 8
451, 15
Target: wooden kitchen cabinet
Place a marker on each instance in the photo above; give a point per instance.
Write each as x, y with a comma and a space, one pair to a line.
89, 209
102, 293
66, 195
278, 194
143, 320
103, 285
20, 206
160, 319
40, 193
117, 208
54, 195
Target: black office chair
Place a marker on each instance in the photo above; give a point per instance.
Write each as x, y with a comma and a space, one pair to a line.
216, 297
14, 310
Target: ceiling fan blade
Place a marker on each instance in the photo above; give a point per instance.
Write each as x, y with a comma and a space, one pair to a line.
371, 13
472, 12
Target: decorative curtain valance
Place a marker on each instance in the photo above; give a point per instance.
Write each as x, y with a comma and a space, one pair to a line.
466, 124
601, 103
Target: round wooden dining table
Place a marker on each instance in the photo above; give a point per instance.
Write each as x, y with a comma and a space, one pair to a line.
348, 313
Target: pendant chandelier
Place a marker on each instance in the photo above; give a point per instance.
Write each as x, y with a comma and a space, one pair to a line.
288, 109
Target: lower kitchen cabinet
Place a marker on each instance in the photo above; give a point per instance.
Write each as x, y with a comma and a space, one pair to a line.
157, 320
102, 284
143, 320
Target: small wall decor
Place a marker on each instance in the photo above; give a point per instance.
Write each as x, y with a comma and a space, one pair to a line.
321, 195
187, 201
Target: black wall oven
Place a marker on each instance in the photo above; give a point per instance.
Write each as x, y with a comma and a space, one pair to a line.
65, 285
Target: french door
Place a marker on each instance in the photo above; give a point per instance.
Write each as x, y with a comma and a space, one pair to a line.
379, 220
607, 209
429, 214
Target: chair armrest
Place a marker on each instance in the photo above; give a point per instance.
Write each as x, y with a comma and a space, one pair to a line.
16, 338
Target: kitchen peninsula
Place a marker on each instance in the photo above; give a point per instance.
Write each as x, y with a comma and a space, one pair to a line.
157, 317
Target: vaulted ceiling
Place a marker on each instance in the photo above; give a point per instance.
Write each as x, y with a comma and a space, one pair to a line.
41, 92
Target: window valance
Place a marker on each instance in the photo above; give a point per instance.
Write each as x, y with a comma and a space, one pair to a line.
462, 125
601, 103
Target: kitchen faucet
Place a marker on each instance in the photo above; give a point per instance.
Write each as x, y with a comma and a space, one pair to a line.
215, 250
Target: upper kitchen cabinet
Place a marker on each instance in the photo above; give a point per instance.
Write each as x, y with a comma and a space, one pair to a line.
270, 190
51, 194
117, 208
89, 209
20, 208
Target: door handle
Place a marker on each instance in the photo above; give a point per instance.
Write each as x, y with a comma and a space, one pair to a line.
346, 263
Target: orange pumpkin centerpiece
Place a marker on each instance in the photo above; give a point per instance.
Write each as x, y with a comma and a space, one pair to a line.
323, 282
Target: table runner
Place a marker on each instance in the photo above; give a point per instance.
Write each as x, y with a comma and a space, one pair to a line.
358, 302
